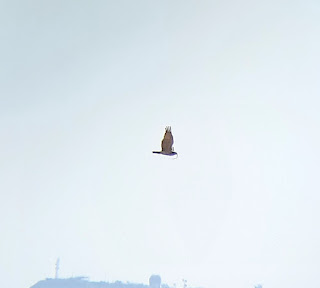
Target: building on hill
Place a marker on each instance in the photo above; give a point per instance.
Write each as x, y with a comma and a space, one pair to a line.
154, 281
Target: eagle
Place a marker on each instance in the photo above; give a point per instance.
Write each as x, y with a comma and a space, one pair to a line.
166, 144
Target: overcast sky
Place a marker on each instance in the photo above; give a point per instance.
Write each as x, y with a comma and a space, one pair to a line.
86, 90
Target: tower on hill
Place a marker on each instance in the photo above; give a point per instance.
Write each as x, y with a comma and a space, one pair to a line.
155, 281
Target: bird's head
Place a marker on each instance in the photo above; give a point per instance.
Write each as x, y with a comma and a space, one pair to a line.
174, 154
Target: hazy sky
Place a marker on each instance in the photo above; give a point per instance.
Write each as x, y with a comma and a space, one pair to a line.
86, 90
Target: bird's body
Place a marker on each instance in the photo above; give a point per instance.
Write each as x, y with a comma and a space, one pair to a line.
166, 144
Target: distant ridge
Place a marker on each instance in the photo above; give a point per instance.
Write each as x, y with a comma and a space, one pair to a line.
83, 282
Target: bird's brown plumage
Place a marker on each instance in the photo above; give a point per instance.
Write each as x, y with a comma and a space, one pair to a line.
167, 141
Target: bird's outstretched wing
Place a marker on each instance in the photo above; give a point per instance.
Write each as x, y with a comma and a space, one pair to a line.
167, 141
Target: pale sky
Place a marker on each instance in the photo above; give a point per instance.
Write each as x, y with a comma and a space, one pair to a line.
86, 90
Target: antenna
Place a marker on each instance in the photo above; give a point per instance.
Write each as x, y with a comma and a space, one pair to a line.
57, 268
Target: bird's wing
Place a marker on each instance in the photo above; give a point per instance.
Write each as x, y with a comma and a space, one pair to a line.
167, 141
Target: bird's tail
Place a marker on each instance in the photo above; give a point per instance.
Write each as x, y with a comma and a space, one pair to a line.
157, 152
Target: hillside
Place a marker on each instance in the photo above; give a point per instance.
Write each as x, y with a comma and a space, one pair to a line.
83, 282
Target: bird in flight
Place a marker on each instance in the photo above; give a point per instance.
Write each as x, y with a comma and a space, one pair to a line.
166, 144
